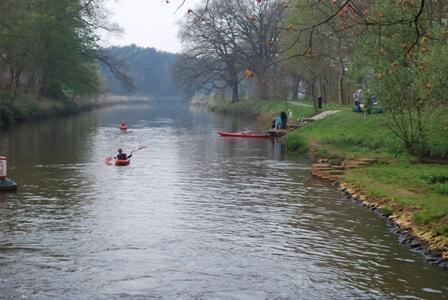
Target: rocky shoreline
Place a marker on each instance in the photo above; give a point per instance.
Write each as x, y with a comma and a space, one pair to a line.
433, 248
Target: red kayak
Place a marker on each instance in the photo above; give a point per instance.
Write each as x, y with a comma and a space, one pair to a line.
122, 162
245, 135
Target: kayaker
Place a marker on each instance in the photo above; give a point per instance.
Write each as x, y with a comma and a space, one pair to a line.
122, 155
248, 131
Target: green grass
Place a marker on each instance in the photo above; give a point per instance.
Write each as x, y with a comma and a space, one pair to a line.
348, 135
396, 175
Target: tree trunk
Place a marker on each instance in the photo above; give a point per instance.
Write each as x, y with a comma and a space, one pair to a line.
294, 88
341, 83
313, 94
235, 94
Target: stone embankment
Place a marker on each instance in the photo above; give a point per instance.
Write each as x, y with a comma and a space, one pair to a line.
335, 172
433, 248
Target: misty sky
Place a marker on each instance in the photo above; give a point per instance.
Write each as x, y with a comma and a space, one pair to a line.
148, 23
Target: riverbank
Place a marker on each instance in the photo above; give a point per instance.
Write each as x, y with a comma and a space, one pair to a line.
418, 237
27, 108
409, 193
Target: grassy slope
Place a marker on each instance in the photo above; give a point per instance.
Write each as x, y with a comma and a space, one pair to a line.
348, 135
421, 189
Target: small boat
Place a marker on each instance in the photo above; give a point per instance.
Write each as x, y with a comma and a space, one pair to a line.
7, 184
122, 162
244, 135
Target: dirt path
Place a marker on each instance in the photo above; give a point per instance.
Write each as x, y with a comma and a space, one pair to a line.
324, 114
299, 104
319, 115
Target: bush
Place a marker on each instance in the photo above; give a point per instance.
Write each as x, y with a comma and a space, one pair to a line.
386, 211
435, 178
5, 96
441, 188
296, 143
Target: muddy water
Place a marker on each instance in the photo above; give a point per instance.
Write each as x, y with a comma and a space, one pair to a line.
194, 216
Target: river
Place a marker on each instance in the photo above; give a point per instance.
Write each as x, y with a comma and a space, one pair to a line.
194, 216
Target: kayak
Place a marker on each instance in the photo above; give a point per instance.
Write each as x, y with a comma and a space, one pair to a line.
122, 162
245, 135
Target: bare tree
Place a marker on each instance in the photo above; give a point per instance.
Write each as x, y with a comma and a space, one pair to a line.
226, 40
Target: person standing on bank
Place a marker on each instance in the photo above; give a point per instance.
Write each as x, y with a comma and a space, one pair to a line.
273, 123
284, 119
278, 122
357, 97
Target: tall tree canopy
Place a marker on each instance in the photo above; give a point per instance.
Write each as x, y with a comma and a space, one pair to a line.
48, 48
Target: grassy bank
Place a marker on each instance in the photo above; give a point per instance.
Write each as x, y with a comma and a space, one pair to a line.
413, 194
396, 175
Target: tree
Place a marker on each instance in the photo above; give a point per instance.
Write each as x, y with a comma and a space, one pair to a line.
403, 70
317, 30
226, 40
50, 47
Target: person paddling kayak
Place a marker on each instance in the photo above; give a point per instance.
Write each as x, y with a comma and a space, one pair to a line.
122, 155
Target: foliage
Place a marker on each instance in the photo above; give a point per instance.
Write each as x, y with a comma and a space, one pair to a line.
387, 211
297, 143
438, 181
403, 69
50, 49
314, 52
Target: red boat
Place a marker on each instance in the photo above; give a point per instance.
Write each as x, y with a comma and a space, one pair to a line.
122, 162
245, 135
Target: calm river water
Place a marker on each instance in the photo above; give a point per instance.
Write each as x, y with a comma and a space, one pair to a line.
194, 216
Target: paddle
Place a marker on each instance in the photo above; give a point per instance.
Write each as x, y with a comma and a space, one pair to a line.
142, 147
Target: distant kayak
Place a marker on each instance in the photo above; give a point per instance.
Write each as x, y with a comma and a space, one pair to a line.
245, 135
122, 162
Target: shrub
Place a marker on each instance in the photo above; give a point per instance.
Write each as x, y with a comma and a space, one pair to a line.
435, 178
441, 188
296, 143
386, 211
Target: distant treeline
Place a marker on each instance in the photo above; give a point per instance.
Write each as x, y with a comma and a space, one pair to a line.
149, 71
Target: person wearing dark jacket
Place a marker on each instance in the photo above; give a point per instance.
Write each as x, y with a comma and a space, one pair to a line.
122, 155
284, 118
